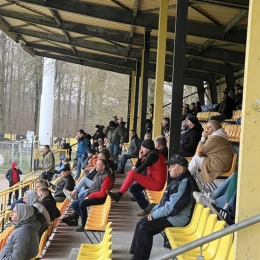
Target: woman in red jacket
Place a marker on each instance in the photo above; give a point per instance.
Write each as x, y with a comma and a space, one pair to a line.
149, 171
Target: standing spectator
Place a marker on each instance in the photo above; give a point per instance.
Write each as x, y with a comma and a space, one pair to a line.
150, 111
48, 163
97, 136
165, 125
133, 151
193, 109
225, 108
115, 136
13, 176
23, 242
149, 126
115, 119
121, 123
82, 152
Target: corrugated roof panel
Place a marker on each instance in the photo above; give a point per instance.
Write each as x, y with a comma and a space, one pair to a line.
31, 39
197, 16
127, 3
14, 22
196, 40
96, 52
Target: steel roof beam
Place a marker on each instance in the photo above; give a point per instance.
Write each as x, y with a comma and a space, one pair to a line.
146, 20
244, 4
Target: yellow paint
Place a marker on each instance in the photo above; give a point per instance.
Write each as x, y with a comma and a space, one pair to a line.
248, 193
132, 106
160, 64
140, 98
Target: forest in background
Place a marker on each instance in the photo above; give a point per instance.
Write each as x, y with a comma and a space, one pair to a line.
84, 96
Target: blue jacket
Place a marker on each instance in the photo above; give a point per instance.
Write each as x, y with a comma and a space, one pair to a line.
177, 203
83, 146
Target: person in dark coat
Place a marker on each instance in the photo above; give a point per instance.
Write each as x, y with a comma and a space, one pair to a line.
165, 125
190, 136
98, 135
48, 202
67, 182
13, 176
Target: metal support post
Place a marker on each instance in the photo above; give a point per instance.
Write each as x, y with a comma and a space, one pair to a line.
201, 91
137, 84
213, 89
129, 101
230, 79
131, 125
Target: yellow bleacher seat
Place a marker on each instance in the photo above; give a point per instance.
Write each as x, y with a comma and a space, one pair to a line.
155, 196
42, 244
233, 166
231, 253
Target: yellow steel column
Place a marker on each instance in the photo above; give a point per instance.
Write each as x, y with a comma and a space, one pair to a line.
140, 98
248, 192
132, 106
160, 64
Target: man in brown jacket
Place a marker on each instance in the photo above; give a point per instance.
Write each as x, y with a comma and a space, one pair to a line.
48, 163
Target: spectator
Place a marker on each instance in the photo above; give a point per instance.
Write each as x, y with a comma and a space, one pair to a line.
90, 162
174, 210
57, 174
66, 182
184, 113
214, 153
48, 163
148, 136
190, 137
153, 171
165, 125
13, 177
231, 92
95, 195
125, 130
149, 126
49, 203
198, 107
150, 111
97, 136
160, 144
63, 144
23, 242
83, 147
193, 109
115, 136
188, 108
106, 143
115, 119
225, 108
133, 151
238, 98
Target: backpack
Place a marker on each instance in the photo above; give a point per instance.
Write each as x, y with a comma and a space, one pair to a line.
40, 217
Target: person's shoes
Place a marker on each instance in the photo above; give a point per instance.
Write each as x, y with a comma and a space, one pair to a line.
120, 171
67, 219
115, 196
143, 213
202, 199
133, 199
223, 214
67, 193
80, 229
73, 222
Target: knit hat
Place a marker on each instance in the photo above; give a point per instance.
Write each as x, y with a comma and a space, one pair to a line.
216, 124
193, 119
148, 143
112, 124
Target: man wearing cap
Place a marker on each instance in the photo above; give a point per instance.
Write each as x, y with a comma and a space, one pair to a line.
174, 210
66, 182
190, 136
150, 172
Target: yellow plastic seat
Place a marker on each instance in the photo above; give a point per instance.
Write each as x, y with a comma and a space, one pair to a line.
231, 253
42, 244
155, 196
232, 169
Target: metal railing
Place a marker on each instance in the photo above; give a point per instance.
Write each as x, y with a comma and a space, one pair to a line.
204, 240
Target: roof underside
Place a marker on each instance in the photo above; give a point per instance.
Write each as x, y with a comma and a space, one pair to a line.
108, 34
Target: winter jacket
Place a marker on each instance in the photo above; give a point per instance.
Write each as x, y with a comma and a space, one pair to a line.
165, 129
134, 146
9, 176
50, 204
83, 146
67, 183
191, 138
218, 155
177, 203
115, 135
48, 162
91, 162
23, 242
101, 183
164, 151
98, 134
225, 107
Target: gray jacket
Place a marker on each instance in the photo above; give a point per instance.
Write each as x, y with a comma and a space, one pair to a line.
116, 135
23, 243
134, 146
48, 162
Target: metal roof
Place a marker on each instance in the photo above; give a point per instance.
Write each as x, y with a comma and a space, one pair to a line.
108, 34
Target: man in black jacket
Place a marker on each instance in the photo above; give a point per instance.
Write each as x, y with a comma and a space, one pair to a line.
67, 182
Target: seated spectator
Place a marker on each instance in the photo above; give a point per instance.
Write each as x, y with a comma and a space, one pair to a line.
23, 242
198, 107
165, 125
97, 136
95, 195
184, 113
148, 135
66, 182
190, 136
49, 203
174, 210
106, 143
160, 144
101, 143
193, 109
91, 160
214, 153
32, 199
64, 162
153, 171
133, 151
13, 177
225, 108
223, 199
238, 98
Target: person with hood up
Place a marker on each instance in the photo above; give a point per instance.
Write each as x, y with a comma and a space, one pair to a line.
214, 153
149, 171
23, 243
32, 199
98, 135
190, 136
13, 176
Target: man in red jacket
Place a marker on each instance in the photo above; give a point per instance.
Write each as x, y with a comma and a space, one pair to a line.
95, 195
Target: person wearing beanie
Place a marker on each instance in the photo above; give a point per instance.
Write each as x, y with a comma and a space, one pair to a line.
190, 137
23, 242
174, 210
214, 154
13, 176
115, 135
149, 172
97, 135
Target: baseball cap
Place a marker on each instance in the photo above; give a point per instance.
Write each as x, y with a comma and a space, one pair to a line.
177, 159
63, 157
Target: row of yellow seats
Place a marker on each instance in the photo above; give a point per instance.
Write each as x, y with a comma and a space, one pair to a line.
155, 196
202, 224
204, 116
101, 251
236, 114
4, 236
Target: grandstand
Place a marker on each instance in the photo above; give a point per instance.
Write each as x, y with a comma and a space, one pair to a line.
215, 42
